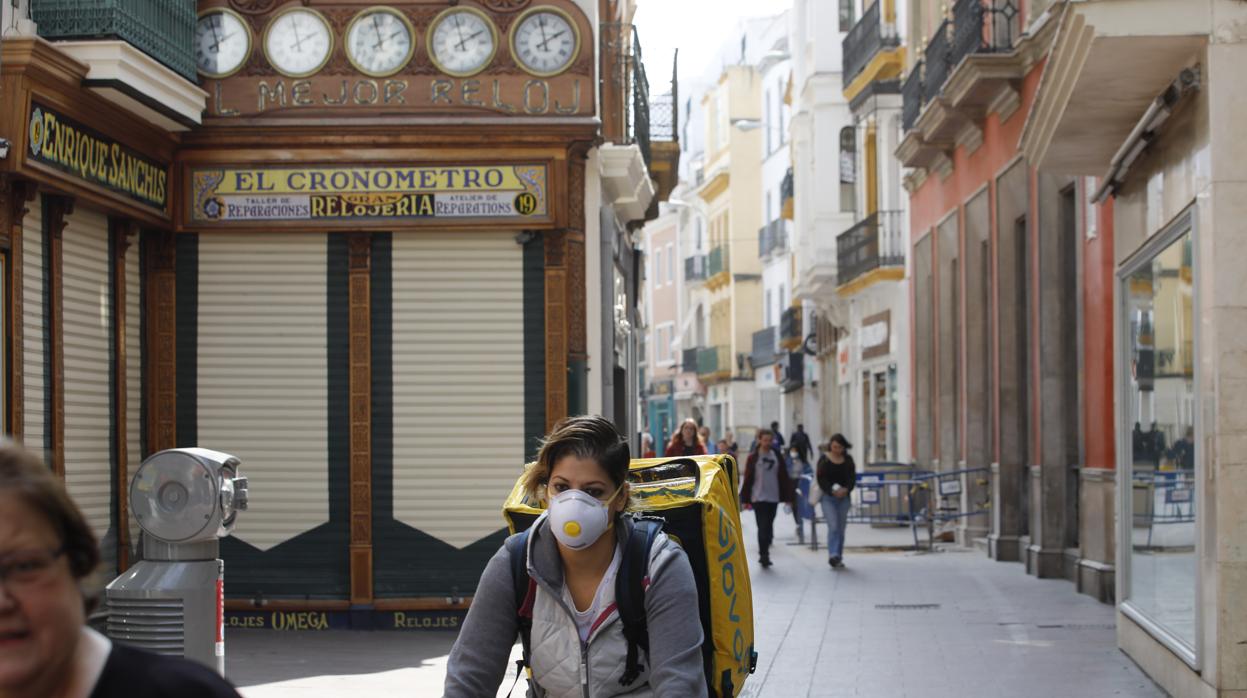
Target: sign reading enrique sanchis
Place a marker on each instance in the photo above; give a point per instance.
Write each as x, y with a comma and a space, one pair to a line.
324, 193
61, 142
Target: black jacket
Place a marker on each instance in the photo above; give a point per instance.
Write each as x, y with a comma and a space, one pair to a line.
801, 441
133, 673
844, 474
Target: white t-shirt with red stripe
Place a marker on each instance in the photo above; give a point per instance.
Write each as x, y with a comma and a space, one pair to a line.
589, 619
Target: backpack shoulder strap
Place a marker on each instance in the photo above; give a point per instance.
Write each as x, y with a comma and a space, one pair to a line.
630, 584
525, 592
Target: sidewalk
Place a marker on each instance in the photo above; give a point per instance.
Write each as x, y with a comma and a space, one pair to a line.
891, 625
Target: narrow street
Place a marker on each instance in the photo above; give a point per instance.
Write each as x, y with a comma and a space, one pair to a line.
892, 624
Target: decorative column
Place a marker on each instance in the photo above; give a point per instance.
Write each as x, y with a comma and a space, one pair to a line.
360, 361
56, 212
15, 198
160, 280
120, 234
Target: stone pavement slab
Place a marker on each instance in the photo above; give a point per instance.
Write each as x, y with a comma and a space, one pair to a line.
891, 625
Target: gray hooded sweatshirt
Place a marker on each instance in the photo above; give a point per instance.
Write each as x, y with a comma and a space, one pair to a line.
563, 666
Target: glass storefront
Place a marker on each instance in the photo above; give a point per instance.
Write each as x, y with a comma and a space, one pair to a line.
1160, 457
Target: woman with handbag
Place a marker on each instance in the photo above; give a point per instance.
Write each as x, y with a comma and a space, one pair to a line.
837, 476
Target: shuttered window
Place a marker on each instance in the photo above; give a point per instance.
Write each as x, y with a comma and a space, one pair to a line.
458, 381
262, 375
87, 309
33, 336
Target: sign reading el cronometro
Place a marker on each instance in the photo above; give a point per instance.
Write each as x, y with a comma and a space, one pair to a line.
327, 193
63, 143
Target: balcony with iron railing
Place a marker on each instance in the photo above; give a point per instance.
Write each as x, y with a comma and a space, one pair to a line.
718, 267
765, 347
872, 36
688, 360
874, 243
695, 268
162, 29
714, 364
985, 33
772, 238
791, 333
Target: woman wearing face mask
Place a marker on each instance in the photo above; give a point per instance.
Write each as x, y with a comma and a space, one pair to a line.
686, 441
797, 466
47, 552
574, 552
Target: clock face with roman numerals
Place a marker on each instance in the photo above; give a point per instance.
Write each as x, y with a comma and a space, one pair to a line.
545, 41
298, 42
222, 43
379, 41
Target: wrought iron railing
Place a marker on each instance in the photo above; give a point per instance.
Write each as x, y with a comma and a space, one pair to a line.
866, 39
983, 26
711, 360
977, 26
936, 62
772, 237
790, 325
873, 243
765, 349
163, 29
664, 110
911, 97
718, 261
695, 267
639, 115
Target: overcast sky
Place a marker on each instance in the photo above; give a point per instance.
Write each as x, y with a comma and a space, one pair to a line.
696, 27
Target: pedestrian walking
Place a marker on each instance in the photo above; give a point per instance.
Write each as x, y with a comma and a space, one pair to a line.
685, 442
801, 441
779, 436
47, 554
575, 550
798, 465
837, 476
703, 435
766, 486
730, 438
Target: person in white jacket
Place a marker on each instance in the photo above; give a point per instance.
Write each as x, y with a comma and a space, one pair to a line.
574, 552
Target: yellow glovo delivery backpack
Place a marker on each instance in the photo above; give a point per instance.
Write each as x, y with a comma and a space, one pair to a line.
694, 501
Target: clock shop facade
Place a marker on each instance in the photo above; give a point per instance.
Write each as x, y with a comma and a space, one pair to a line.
361, 270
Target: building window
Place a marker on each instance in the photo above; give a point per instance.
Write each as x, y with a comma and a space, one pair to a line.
848, 169
766, 320
846, 15
658, 267
1162, 459
779, 107
670, 263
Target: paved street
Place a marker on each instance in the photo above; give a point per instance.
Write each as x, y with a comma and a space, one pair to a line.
893, 624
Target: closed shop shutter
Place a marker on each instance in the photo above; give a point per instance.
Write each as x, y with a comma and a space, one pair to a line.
458, 406
33, 335
134, 372
87, 308
263, 384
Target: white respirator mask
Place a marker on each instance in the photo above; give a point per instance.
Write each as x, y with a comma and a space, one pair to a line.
577, 519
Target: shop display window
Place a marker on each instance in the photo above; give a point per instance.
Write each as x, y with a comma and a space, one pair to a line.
1159, 437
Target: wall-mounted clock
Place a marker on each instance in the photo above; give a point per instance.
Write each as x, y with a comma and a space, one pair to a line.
222, 43
462, 41
380, 41
545, 41
298, 42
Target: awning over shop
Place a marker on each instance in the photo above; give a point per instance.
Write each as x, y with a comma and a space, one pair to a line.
1109, 62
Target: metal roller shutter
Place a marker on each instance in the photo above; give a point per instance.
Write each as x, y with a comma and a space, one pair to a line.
458, 381
134, 371
87, 308
263, 377
33, 336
